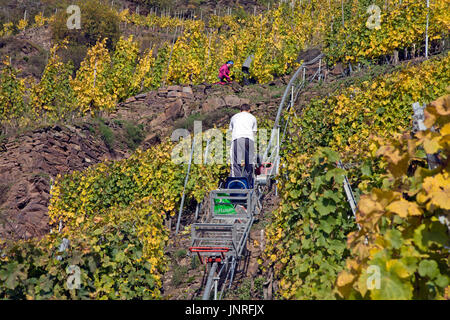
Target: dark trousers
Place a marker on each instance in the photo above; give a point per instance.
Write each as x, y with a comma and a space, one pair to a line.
242, 150
247, 79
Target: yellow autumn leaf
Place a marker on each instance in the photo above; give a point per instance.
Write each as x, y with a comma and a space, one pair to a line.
344, 278
445, 129
397, 267
438, 190
431, 146
367, 205
404, 208
79, 219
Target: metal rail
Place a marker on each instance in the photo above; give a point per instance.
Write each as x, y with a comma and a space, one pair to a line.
209, 282
300, 70
184, 188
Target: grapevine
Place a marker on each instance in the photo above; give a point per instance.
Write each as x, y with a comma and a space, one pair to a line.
306, 239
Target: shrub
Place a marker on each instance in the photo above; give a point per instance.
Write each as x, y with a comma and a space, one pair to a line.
134, 134
107, 256
106, 133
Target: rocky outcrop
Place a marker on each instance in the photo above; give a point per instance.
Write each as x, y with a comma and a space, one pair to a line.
159, 110
29, 163
232, 101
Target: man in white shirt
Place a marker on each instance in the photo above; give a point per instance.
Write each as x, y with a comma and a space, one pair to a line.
243, 127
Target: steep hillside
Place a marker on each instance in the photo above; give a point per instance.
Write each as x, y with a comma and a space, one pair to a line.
31, 160
91, 180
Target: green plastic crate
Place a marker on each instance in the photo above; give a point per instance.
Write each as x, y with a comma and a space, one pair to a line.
223, 206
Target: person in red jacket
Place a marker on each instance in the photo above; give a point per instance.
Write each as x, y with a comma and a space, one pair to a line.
224, 72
